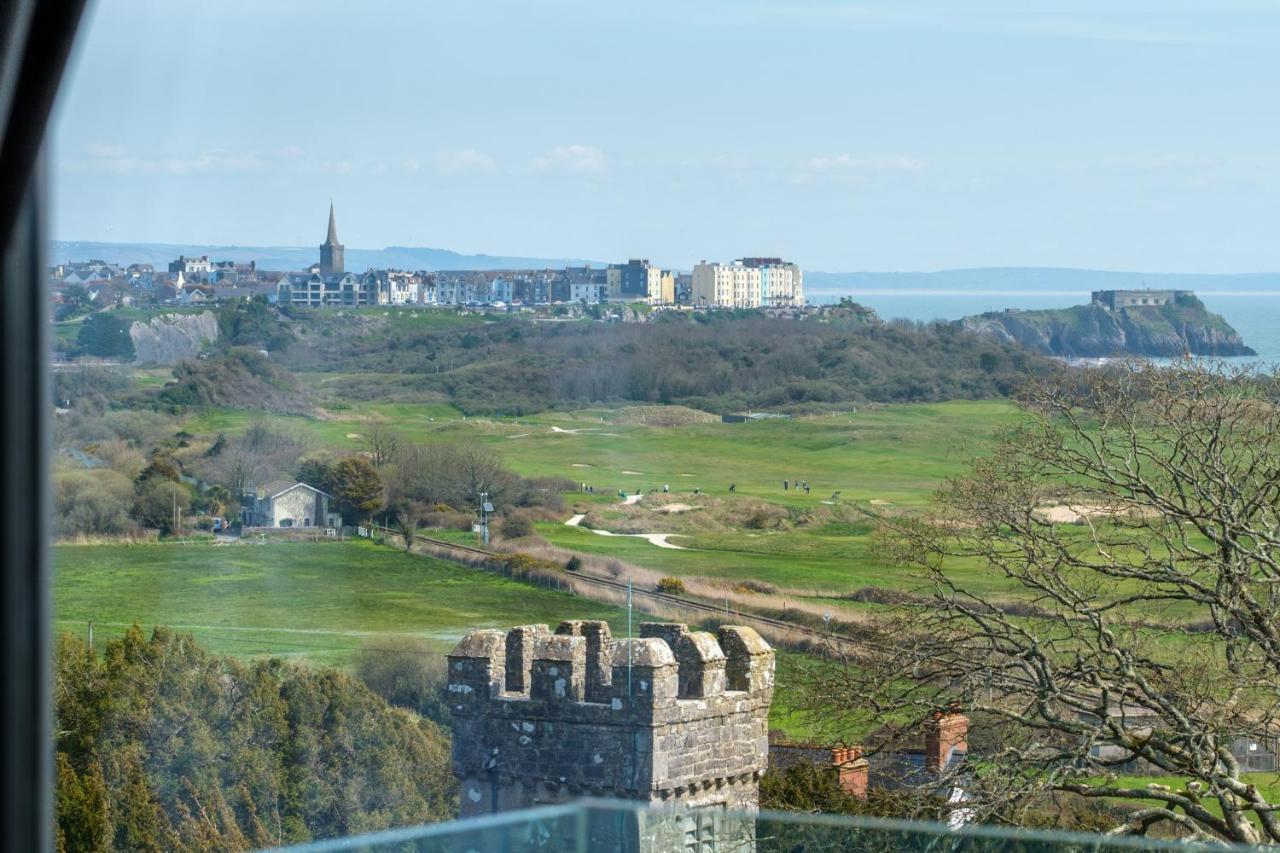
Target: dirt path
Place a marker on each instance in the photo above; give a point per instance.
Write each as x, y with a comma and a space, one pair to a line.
658, 539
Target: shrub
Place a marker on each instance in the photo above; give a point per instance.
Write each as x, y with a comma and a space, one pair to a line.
573, 564
406, 672
523, 564
516, 527
672, 586
91, 502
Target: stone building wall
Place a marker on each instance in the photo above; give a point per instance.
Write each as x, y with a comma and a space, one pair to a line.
674, 717
300, 504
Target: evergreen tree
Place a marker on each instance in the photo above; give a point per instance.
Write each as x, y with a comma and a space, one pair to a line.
106, 335
357, 487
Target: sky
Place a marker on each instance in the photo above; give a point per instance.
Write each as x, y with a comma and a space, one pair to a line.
908, 135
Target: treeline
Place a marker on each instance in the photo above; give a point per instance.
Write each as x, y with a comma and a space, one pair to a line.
719, 362
161, 746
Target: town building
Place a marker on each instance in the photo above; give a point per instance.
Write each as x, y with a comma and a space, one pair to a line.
674, 717
285, 504
392, 287
315, 290
1113, 300
192, 268
748, 283
636, 281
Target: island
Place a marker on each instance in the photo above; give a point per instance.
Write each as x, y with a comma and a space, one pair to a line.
1153, 323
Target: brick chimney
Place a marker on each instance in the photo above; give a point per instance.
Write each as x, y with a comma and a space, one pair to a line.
852, 770
945, 732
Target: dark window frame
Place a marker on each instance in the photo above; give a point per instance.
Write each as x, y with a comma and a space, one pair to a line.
36, 37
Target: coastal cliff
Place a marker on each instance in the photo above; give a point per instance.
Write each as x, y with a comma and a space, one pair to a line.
171, 338
1180, 327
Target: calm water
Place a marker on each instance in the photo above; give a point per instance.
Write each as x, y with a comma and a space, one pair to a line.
1256, 316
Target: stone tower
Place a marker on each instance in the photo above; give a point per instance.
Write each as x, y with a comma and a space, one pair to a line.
331, 260
674, 718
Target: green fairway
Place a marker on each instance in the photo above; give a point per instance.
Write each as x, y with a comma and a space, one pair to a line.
891, 455
314, 600
897, 454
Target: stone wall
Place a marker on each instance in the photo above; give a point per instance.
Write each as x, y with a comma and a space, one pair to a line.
674, 717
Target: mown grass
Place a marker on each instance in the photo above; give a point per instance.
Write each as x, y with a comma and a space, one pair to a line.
897, 455
295, 599
314, 601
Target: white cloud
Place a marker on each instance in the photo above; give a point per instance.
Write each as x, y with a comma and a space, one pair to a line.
583, 159
410, 165
100, 157
848, 164
464, 162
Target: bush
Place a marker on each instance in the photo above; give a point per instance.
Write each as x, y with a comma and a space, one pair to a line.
406, 672
573, 564
523, 564
91, 502
516, 527
672, 586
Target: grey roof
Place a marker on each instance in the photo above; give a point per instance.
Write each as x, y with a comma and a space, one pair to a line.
278, 487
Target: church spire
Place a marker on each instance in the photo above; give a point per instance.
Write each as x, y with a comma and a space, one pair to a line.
332, 239
331, 260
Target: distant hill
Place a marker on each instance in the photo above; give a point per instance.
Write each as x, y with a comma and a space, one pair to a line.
1035, 280
1090, 331
297, 258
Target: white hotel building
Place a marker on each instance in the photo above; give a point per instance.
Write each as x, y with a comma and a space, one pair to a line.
748, 283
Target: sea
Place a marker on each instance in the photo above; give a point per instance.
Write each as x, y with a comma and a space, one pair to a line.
1255, 315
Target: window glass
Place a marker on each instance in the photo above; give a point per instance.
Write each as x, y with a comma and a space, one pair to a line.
449, 420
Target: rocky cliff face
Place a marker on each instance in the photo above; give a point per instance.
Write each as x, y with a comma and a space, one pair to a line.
171, 338
1091, 331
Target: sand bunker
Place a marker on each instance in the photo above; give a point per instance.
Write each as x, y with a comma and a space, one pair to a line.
353, 435
673, 508
658, 539
633, 472
581, 465
878, 502
632, 499
1079, 513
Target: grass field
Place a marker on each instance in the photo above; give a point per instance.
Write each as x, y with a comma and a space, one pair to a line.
892, 454
311, 601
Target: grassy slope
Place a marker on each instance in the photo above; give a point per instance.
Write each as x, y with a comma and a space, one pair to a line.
317, 600
314, 601
897, 454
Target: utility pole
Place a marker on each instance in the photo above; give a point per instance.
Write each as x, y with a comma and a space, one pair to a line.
485, 509
175, 507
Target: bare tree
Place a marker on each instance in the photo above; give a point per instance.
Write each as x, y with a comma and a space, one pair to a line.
382, 443
1103, 591
453, 474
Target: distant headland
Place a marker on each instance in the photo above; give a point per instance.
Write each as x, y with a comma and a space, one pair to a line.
1152, 323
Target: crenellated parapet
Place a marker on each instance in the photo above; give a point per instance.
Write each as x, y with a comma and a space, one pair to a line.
673, 715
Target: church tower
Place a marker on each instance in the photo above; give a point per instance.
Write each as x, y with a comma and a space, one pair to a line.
331, 261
